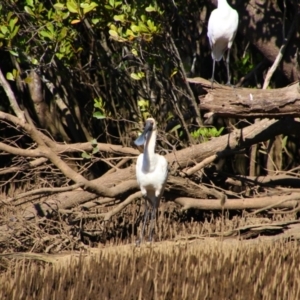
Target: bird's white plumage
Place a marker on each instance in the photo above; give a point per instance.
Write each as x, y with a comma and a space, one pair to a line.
222, 28
151, 176
151, 171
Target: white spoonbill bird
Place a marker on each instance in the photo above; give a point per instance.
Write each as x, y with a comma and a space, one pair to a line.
222, 27
151, 172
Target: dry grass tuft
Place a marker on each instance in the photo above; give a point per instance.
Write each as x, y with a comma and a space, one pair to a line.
197, 270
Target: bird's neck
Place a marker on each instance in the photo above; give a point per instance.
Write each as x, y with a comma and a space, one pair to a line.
223, 4
149, 149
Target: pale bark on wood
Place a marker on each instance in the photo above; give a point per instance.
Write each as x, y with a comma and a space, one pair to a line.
290, 200
225, 101
275, 180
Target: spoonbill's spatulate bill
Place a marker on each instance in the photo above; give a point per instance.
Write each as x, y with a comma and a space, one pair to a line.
151, 172
222, 27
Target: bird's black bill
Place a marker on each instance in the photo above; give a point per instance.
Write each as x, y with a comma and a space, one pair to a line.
141, 139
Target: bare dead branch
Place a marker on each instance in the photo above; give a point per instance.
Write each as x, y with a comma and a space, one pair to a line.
290, 201
12, 99
42, 191
281, 53
122, 205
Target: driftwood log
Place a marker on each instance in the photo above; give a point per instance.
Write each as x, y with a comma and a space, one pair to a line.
226, 101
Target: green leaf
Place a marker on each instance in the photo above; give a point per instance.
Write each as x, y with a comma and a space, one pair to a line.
143, 104
108, 7
95, 21
30, 3
34, 61
175, 71
94, 142
63, 33
137, 76
90, 7
99, 115
72, 7
111, 3
60, 56
118, 3
12, 35
150, 8
175, 128
10, 76
120, 18
29, 10
14, 53
3, 29
135, 28
66, 15
284, 141
9, 15
12, 23
113, 27
134, 52
113, 33
50, 27
95, 150
47, 34
143, 27
59, 6
85, 155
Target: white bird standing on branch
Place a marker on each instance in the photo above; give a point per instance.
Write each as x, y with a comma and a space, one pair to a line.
151, 172
222, 27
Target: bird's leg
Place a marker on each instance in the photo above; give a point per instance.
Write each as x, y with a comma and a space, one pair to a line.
153, 217
144, 222
213, 74
227, 67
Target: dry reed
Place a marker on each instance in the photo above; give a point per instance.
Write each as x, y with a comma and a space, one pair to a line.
197, 270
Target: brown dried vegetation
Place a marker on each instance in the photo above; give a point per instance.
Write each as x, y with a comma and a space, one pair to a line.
194, 270
228, 227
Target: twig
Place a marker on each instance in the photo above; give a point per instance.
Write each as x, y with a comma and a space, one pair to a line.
291, 198
122, 205
191, 94
43, 191
280, 54
12, 99
200, 165
118, 165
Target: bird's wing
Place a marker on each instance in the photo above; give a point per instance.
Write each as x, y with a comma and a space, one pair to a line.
138, 167
211, 26
164, 166
234, 26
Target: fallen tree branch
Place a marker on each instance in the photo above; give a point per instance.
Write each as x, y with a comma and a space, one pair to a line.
236, 140
42, 191
290, 201
276, 180
122, 205
32, 164
250, 103
199, 166
71, 199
